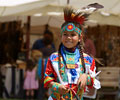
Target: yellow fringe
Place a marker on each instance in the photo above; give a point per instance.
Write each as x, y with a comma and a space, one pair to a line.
71, 94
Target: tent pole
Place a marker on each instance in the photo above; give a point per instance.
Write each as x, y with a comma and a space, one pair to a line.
68, 1
28, 36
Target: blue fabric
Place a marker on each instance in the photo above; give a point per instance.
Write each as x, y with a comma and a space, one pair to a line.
39, 44
73, 73
39, 70
46, 51
77, 54
88, 58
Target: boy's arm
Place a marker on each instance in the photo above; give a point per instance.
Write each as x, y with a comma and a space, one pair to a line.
49, 74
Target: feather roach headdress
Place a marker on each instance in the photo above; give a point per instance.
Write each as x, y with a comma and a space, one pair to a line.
80, 15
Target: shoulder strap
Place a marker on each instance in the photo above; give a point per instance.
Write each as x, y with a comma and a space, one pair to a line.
42, 71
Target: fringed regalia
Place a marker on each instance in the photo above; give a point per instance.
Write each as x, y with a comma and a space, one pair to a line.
65, 68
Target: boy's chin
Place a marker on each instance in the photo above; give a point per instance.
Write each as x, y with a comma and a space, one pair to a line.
71, 47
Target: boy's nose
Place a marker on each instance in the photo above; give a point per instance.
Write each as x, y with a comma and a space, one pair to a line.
69, 37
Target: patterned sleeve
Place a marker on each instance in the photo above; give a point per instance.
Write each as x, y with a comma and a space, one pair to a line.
50, 74
90, 79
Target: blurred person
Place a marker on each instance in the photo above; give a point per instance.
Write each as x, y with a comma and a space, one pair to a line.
45, 45
36, 55
30, 81
40, 62
89, 46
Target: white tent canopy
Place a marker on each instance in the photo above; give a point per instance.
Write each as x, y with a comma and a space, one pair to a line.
109, 15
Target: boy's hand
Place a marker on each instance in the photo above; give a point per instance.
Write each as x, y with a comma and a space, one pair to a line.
63, 89
82, 80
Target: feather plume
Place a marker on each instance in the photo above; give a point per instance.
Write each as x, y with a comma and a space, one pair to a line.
80, 15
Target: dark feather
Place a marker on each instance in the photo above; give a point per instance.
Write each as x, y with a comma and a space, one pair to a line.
96, 5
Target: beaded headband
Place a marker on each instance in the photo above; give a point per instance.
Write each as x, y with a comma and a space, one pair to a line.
78, 16
71, 27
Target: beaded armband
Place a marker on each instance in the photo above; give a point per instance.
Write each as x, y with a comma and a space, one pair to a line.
55, 93
55, 87
88, 80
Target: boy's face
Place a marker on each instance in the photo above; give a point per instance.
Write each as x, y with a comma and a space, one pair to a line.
70, 39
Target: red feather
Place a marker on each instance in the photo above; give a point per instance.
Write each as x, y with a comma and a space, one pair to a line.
77, 19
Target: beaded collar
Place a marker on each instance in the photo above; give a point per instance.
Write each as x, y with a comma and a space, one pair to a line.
70, 58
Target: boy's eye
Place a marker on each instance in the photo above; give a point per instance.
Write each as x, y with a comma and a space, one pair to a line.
73, 34
64, 34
